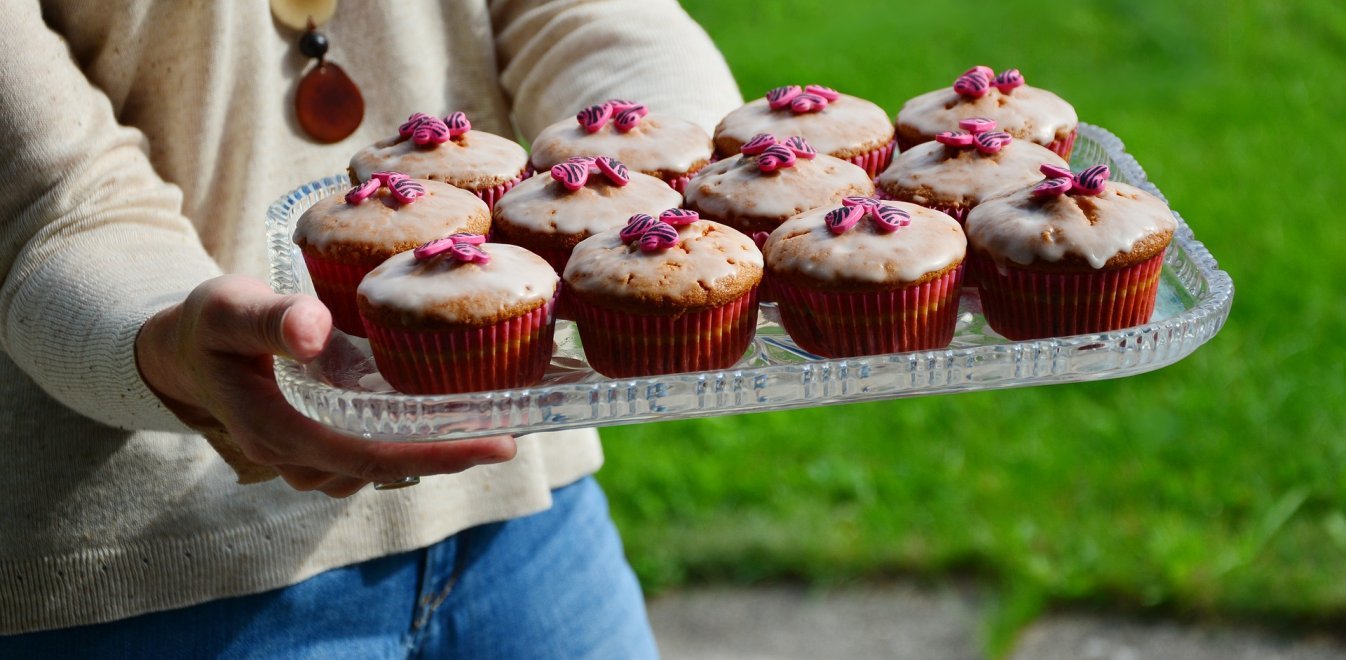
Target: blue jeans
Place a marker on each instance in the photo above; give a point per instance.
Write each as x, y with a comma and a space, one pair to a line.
552, 585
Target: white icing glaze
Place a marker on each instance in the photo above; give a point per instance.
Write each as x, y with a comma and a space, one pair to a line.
846, 124
477, 159
1023, 229
1027, 112
708, 254
382, 221
964, 176
459, 292
805, 247
541, 205
659, 143
736, 187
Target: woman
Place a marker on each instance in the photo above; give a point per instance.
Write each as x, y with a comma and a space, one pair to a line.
145, 141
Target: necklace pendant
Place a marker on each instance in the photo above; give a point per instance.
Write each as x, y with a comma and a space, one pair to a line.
328, 104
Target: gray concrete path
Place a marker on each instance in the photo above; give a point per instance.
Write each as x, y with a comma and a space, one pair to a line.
903, 620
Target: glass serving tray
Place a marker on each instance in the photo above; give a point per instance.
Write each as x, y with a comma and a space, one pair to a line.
342, 388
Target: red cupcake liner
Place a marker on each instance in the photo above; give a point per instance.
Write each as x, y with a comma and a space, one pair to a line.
335, 283
679, 183
1023, 304
623, 345
876, 161
494, 193
1064, 147
512, 353
920, 317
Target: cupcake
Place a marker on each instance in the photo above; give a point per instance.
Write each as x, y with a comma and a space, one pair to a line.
447, 150
836, 124
1073, 254
770, 181
664, 294
460, 315
662, 146
343, 238
958, 169
551, 213
1027, 113
867, 277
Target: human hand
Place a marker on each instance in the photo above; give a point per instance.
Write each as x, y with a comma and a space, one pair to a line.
209, 360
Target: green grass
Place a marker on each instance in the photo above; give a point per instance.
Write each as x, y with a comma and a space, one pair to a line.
1211, 487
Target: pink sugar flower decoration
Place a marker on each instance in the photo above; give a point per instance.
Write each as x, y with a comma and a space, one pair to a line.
409, 127
594, 117
889, 219
404, 189
636, 226
781, 97
659, 236
629, 118
842, 218
363, 191
1007, 80
614, 170
458, 124
572, 175
1053, 187
972, 83
975, 125
806, 102
955, 138
775, 157
825, 92
1055, 171
679, 217
1092, 180
856, 200
992, 142
758, 144
800, 147
462, 247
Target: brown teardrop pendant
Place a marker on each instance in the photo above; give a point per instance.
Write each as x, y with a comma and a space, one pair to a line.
328, 104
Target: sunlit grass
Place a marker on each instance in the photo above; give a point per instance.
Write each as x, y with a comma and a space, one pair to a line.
1212, 486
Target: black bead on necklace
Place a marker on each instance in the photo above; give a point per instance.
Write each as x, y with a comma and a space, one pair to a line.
327, 103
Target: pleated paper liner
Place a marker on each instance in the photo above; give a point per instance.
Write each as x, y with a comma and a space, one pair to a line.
1022, 304
624, 345
1061, 146
1064, 147
512, 353
494, 193
335, 283
845, 324
876, 161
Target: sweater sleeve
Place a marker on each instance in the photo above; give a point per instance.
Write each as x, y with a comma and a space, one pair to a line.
558, 56
92, 241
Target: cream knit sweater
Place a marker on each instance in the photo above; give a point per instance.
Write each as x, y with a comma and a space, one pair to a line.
142, 142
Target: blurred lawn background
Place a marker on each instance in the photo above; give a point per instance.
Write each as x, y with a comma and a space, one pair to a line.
1213, 487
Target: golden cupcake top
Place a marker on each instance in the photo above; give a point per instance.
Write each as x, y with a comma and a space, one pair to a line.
669, 261
581, 197
771, 180
1027, 113
456, 281
657, 144
448, 150
835, 124
865, 244
1072, 221
965, 166
388, 213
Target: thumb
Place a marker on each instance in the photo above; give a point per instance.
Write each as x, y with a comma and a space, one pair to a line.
242, 315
